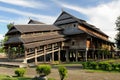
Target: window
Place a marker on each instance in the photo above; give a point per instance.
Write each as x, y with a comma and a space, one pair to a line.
74, 25
73, 43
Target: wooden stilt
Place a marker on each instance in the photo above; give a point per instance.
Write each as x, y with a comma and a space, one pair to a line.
44, 54
67, 55
59, 54
52, 52
76, 56
35, 56
25, 61
86, 53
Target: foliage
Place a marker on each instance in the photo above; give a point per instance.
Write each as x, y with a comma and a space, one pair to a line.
10, 25
94, 65
114, 66
119, 66
62, 72
117, 39
20, 72
43, 70
106, 66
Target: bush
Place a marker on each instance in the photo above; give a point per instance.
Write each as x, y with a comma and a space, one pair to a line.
43, 70
101, 65
94, 65
105, 66
108, 67
86, 65
20, 72
119, 66
63, 72
114, 66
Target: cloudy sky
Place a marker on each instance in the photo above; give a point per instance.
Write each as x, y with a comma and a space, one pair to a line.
101, 13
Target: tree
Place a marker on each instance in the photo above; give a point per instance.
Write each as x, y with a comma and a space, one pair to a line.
2, 50
63, 72
117, 39
10, 25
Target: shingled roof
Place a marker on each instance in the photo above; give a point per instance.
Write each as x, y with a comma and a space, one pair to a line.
31, 21
36, 41
80, 21
32, 28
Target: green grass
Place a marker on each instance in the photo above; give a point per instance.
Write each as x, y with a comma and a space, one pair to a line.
5, 77
112, 61
100, 71
68, 64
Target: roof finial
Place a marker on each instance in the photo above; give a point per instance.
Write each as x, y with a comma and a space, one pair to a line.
62, 9
29, 18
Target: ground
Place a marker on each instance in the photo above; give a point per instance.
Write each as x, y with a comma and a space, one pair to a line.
74, 73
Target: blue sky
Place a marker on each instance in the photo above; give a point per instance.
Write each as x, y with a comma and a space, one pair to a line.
101, 13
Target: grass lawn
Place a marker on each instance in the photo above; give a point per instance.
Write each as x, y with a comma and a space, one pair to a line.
5, 77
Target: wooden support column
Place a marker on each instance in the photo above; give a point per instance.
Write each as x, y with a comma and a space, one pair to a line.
86, 53
8, 52
52, 52
102, 55
44, 54
25, 61
59, 54
93, 54
35, 56
67, 55
76, 55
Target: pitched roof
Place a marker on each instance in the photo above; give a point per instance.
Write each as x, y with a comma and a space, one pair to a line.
31, 21
42, 37
35, 41
32, 28
75, 19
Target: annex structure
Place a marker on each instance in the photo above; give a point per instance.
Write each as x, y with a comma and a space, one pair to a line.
68, 39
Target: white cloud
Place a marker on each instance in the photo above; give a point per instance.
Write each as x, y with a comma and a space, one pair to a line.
44, 18
103, 16
25, 3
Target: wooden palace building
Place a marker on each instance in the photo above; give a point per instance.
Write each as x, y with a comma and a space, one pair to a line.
68, 39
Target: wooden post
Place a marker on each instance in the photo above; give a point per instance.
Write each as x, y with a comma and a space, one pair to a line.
103, 55
52, 52
67, 55
44, 54
86, 52
35, 56
25, 61
59, 54
76, 56
93, 54
8, 52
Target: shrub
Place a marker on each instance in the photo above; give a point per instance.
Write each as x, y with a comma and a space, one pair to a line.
43, 70
102, 66
119, 66
94, 65
108, 67
114, 66
62, 72
20, 72
86, 65
105, 66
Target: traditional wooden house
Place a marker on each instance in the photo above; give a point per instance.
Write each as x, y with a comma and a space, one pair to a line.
85, 40
68, 39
